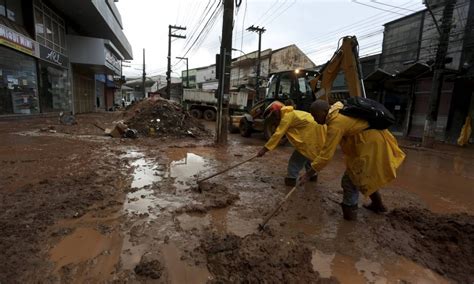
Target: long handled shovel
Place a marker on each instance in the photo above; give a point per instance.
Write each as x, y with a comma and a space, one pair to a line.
262, 226
223, 171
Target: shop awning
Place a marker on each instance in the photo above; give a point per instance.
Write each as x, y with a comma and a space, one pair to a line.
378, 75
414, 71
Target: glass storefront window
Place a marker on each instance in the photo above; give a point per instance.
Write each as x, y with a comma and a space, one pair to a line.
18, 85
50, 29
54, 89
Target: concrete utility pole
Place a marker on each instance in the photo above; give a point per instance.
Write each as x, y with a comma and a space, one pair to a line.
224, 77
260, 31
143, 75
168, 73
187, 70
438, 70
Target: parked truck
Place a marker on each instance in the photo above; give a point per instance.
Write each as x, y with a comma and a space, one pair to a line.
203, 104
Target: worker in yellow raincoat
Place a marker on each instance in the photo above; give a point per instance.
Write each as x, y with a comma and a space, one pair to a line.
372, 156
302, 132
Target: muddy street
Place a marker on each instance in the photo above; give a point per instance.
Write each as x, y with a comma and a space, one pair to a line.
80, 207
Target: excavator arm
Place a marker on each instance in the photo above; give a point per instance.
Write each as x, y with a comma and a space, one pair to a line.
346, 58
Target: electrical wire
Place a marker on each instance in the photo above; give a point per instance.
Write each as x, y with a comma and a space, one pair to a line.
393, 6
381, 9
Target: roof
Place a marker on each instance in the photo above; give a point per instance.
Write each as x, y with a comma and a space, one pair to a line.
378, 75
414, 70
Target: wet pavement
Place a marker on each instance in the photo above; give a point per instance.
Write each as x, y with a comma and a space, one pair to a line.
157, 214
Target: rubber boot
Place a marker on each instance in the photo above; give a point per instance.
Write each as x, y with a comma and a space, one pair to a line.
349, 212
376, 205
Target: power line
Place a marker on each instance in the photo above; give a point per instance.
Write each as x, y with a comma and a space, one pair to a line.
276, 16
357, 2
393, 6
202, 30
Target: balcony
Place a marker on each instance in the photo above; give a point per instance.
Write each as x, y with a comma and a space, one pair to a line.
96, 18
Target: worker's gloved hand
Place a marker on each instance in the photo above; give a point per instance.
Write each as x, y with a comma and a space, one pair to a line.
304, 178
262, 152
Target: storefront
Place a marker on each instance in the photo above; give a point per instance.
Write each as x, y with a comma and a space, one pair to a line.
18, 75
54, 86
98, 60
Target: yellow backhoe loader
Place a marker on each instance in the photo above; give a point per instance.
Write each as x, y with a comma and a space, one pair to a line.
301, 87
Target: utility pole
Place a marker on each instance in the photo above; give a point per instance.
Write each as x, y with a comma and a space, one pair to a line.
438, 70
187, 70
260, 31
224, 77
171, 29
143, 75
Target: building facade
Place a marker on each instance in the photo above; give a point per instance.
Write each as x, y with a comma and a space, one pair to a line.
48, 62
404, 79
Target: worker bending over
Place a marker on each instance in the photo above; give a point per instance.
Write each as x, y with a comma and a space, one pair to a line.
372, 156
303, 133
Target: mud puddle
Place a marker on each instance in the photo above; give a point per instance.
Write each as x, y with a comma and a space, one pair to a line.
86, 254
152, 182
180, 271
222, 220
158, 191
443, 182
359, 271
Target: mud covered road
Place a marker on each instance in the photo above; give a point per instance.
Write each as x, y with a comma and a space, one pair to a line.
78, 207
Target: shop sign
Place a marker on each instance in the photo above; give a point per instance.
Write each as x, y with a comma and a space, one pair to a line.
112, 62
16, 40
49, 55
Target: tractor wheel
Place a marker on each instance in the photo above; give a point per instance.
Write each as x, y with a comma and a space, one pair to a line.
245, 127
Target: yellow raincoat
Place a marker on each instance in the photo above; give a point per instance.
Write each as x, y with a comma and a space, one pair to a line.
372, 156
465, 132
302, 131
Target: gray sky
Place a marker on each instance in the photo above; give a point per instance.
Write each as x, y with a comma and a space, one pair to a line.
313, 25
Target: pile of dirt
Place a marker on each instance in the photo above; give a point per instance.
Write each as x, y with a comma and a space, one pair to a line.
443, 243
149, 269
259, 258
163, 118
213, 196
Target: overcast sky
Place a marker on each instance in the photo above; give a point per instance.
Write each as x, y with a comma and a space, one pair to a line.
313, 25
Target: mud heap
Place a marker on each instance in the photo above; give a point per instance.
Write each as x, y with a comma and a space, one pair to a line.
213, 196
163, 118
443, 243
259, 258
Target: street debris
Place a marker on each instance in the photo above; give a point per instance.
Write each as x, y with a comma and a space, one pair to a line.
120, 130
50, 129
159, 117
67, 119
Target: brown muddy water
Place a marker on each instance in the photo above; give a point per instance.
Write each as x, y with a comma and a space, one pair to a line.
163, 218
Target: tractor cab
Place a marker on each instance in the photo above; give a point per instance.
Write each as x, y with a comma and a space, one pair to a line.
288, 87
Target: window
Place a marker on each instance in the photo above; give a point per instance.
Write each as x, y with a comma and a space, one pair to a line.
11, 9
49, 27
